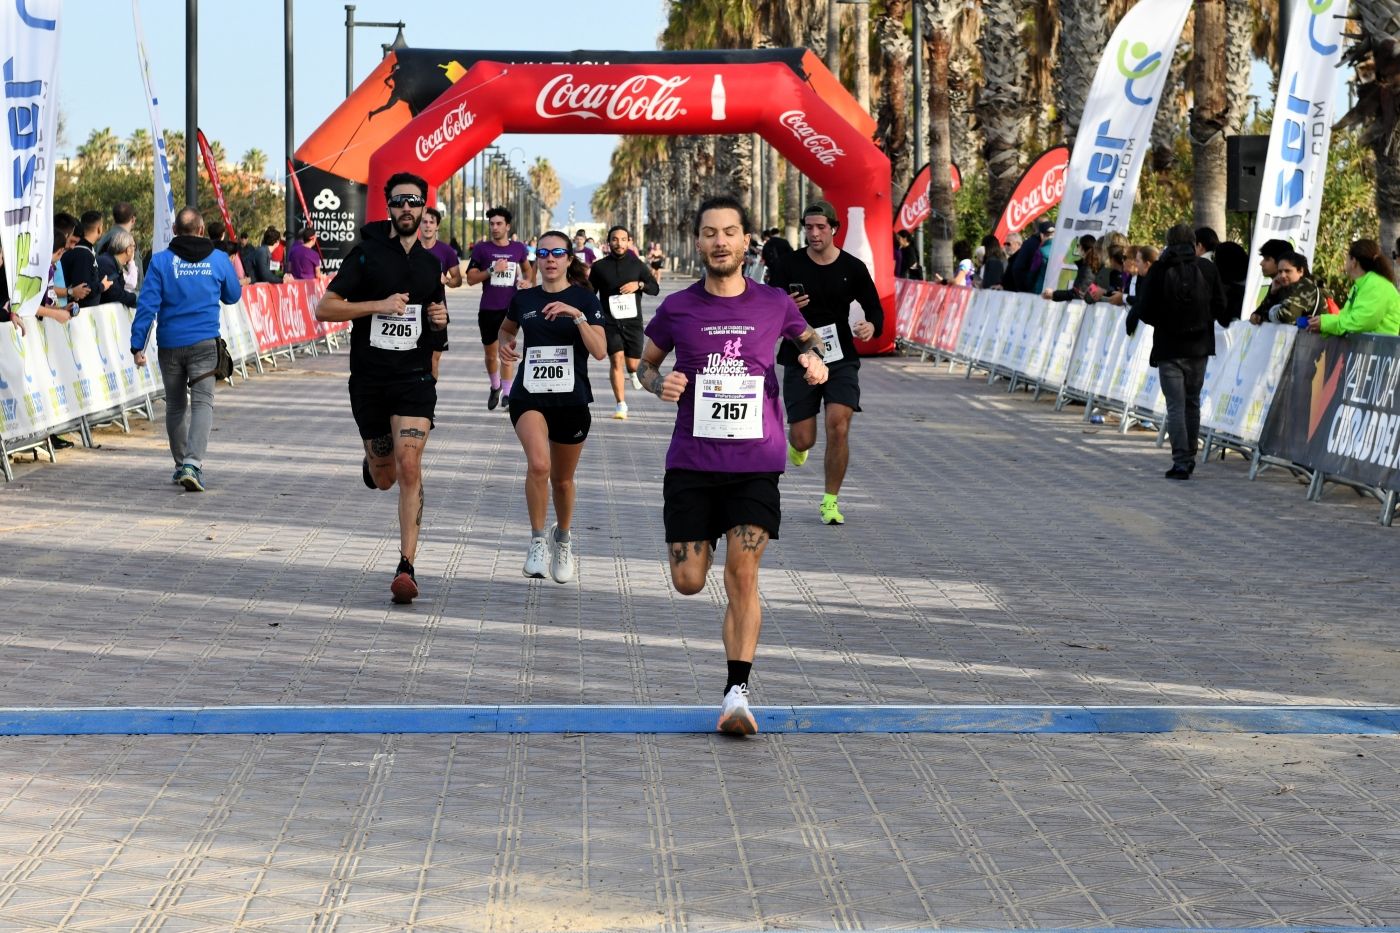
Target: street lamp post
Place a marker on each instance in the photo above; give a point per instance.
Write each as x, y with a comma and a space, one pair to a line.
350, 24
191, 103
919, 112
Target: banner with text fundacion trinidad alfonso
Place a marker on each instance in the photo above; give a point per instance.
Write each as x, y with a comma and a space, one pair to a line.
1101, 183
1290, 197
30, 34
163, 224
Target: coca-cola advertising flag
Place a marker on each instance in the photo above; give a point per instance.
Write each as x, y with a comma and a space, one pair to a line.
212, 168
914, 209
1039, 189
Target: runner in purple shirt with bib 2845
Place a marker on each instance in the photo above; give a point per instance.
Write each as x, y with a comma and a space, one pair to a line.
499, 265
728, 448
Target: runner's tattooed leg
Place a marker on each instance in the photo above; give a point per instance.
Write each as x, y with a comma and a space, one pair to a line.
382, 446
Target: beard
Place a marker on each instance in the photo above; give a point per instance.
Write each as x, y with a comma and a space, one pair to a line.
723, 270
406, 224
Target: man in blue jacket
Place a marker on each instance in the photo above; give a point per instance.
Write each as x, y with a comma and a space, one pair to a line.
184, 288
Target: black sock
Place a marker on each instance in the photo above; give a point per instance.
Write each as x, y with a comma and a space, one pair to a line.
405, 566
738, 674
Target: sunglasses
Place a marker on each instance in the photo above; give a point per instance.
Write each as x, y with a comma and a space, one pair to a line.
556, 252
407, 200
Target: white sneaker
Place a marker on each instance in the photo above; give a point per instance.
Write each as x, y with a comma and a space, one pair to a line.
620, 412
735, 717
561, 558
636, 382
537, 560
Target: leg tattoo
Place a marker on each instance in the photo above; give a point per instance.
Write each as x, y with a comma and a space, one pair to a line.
419, 521
382, 446
750, 537
679, 552
413, 432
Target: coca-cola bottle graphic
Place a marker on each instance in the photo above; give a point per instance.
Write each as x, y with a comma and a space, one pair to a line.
858, 245
717, 99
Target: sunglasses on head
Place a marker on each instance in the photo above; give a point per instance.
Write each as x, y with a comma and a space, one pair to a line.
556, 252
407, 200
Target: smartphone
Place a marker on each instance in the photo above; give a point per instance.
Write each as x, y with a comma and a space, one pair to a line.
795, 289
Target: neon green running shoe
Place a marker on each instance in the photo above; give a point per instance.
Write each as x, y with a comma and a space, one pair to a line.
831, 515
797, 457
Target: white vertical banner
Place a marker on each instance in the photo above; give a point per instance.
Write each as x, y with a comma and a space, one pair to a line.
1290, 197
29, 32
162, 228
1116, 128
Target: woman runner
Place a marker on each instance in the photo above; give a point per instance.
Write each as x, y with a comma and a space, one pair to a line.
561, 320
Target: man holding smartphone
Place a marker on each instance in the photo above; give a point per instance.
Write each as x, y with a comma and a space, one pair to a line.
391, 288
826, 282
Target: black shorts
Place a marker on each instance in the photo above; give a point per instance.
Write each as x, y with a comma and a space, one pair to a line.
626, 337
802, 401
567, 424
702, 506
374, 404
490, 323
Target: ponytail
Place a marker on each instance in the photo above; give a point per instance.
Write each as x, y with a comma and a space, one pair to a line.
1369, 257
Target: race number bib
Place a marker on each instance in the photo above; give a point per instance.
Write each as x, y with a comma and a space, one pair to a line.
397, 331
729, 407
507, 278
831, 344
549, 369
622, 307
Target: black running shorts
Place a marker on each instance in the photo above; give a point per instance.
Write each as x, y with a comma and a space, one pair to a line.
702, 506
802, 401
568, 424
374, 404
490, 323
626, 337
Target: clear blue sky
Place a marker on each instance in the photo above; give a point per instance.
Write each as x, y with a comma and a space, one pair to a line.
240, 70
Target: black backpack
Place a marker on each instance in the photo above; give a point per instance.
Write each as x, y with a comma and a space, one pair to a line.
1186, 295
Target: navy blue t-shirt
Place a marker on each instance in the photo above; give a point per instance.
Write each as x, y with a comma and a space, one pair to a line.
540, 333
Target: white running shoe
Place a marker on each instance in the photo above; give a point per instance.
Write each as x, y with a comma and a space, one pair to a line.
735, 717
620, 412
636, 382
561, 558
537, 560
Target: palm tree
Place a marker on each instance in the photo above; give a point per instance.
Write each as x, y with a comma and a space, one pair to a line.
1209, 116
1377, 59
938, 22
1083, 34
254, 162
546, 184
964, 63
101, 150
139, 151
893, 113
1002, 105
1239, 58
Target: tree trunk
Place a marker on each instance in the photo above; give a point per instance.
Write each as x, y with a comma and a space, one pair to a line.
1083, 34
943, 217
1387, 194
1171, 110
1209, 117
893, 124
1001, 104
862, 44
1239, 57
770, 186
794, 204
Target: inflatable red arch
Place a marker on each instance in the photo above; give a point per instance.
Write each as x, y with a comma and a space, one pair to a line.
767, 98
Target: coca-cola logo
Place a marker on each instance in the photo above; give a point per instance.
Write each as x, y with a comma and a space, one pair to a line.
642, 97
821, 146
912, 213
289, 317
1038, 199
454, 122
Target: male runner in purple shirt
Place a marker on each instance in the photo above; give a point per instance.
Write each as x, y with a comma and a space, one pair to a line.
499, 265
451, 264
728, 449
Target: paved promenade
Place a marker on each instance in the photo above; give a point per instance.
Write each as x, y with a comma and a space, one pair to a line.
996, 552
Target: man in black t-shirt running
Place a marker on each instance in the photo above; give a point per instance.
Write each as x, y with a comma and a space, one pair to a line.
391, 288
826, 281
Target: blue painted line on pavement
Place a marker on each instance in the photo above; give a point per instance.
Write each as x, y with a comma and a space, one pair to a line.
955, 720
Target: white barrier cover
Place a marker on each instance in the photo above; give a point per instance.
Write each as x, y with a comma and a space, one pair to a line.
59, 372
979, 327
1245, 379
1091, 353
1009, 326
1061, 344
238, 333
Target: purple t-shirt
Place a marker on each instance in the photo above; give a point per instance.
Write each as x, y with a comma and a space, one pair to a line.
303, 262
484, 255
727, 336
446, 255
